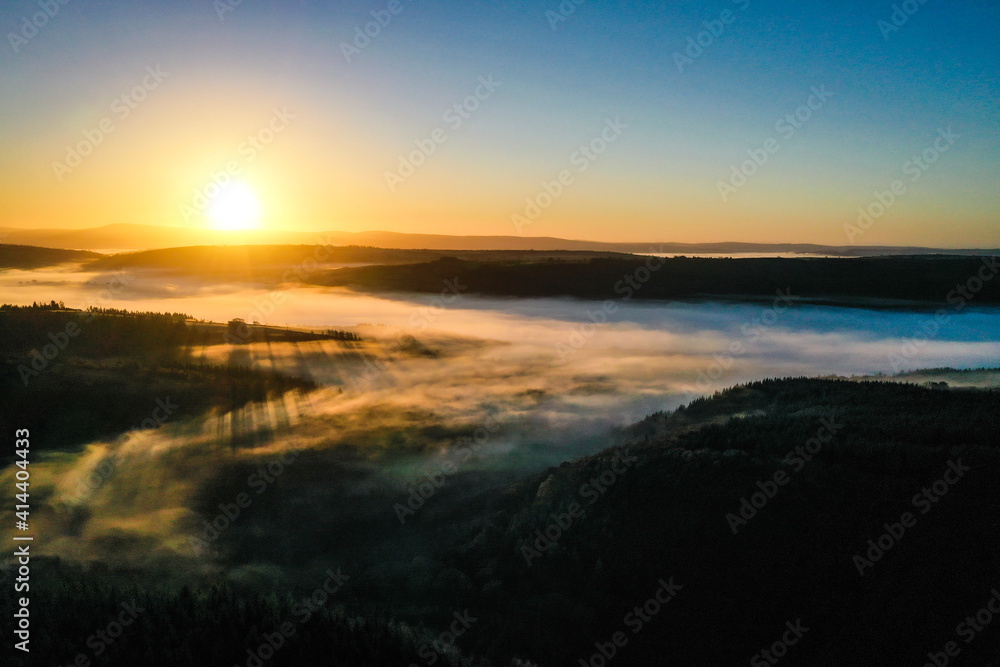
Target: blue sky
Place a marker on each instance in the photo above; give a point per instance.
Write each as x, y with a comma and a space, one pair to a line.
686, 130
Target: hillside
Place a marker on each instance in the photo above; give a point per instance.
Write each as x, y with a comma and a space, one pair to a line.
275, 261
552, 566
926, 279
142, 237
106, 369
30, 257
672, 513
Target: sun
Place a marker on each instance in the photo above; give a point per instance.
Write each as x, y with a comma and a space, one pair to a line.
235, 207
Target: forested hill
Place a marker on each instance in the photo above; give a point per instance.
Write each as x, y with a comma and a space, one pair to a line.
297, 262
850, 458
758, 508
31, 257
934, 279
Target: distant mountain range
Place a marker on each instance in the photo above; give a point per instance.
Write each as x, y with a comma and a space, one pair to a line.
145, 237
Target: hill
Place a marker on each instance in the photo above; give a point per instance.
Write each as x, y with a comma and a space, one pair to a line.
272, 261
866, 280
30, 257
142, 237
690, 498
861, 514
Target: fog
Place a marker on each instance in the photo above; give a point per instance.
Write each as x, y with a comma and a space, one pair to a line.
531, 382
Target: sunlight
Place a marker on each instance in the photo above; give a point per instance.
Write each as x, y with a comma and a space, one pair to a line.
235, 207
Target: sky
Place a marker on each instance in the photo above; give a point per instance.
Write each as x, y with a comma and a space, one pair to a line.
872, 123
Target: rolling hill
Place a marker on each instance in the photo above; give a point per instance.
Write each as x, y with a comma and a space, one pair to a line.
142, 237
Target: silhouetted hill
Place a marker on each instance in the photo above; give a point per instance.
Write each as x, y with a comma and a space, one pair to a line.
30, 257
927, 279
142, 237
852, 457
754, 510
106, 369
300, 262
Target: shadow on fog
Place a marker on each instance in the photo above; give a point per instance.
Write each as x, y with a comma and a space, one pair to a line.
540, 381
